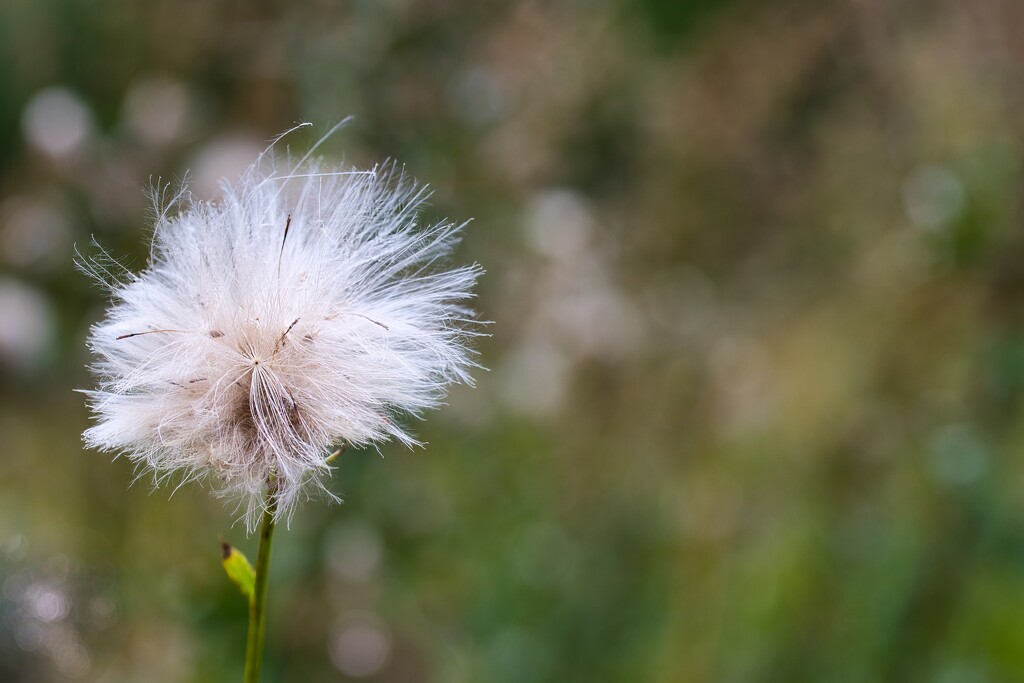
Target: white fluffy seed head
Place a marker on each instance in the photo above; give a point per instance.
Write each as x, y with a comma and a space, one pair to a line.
306, 309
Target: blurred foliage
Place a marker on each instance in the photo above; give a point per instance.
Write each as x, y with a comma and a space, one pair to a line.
754, 412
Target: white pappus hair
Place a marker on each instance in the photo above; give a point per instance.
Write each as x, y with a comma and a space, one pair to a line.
301, 311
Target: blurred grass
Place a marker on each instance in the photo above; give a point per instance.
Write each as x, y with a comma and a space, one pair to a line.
757, 361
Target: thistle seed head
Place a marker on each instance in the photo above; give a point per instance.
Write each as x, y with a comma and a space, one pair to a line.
306, 308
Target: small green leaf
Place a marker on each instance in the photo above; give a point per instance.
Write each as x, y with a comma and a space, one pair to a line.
238, 569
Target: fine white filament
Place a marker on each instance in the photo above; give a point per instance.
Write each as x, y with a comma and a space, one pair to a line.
306, 309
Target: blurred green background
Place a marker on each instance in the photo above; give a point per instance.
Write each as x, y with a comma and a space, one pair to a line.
754, 411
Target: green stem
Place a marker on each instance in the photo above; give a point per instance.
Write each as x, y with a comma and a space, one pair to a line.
258, 604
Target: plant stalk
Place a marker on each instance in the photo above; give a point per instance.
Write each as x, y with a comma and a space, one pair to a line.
258, 604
